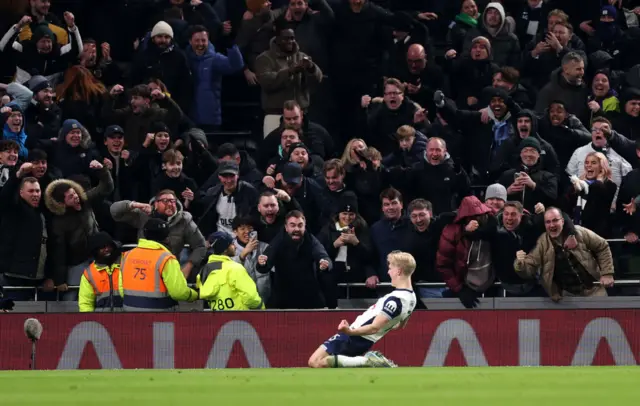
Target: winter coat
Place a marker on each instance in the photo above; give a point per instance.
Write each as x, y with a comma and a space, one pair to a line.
592, 253
70, 229
574, 97
565, 138
297, 276
407, 159
71, 160
182, 229
382, 124
619, 166
22, 232
545, 192
358, 256
387, 236
278, 84
170, 66
42, 123
452, 259
207, 70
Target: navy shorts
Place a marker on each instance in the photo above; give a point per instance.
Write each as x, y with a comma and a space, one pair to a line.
351, 346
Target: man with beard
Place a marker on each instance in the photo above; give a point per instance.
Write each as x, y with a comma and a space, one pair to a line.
567, 272
43, 116
422, 78
563, 130
485, 139
13, 129
438, 179
24, 240
600, 134
271, 211
567, 85
102, 65
495, 27
100, 282
300, 262
530, 183
42, 54
139, 116
163, 60
526, 126
383, 119
284, 73
182, 229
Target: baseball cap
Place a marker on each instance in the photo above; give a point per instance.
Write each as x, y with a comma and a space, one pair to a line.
292, 173
228, 168
113, 129
220, 241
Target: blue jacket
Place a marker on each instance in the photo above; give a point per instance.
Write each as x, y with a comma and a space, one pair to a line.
207, 73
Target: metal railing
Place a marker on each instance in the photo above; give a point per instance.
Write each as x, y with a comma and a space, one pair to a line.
348, 286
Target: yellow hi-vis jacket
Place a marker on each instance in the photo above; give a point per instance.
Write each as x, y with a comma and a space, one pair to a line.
98, 294
226, 285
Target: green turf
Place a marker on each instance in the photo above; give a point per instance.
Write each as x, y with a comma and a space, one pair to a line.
292, 387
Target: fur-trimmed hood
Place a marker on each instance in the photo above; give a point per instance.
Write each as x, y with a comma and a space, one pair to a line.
85, 141
58, 208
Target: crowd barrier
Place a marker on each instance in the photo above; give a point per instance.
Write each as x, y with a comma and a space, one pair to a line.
286, 339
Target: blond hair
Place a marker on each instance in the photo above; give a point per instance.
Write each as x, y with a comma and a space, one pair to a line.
346, 155
403, 260
605, 169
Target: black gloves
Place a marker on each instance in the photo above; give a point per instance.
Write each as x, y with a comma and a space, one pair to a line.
468, 297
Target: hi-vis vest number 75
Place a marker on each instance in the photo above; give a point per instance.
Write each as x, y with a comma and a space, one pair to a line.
144, 289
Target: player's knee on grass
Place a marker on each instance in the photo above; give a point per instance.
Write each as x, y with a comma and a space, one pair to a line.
318, 362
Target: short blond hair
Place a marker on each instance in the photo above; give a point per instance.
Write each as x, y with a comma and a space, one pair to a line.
403, 260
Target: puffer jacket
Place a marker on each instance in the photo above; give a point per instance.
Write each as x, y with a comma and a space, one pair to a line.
278, 85
452, 259
71, 229
592, 252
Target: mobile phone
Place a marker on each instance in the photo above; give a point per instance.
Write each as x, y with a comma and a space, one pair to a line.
253, 235
516, 175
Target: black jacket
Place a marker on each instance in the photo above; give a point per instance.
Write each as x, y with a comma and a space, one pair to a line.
424, 245
382, 124
359, 257
170, 66
297, 278
546, 190
22, 232
245, 198
42, 123
574, 97
629, 190
565, 138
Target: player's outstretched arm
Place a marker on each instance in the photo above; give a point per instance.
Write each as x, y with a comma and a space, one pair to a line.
377, 325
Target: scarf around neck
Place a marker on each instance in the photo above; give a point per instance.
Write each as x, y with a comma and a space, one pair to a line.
467, 19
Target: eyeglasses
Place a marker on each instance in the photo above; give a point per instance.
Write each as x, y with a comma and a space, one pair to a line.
168, 201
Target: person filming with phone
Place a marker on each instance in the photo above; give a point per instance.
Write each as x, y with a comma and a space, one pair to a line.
248, 249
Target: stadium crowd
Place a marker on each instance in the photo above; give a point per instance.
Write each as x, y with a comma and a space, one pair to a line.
299, 142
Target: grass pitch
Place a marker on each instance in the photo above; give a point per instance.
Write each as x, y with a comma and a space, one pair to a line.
292, 387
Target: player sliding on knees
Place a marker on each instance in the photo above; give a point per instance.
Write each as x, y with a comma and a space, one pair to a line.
350, 348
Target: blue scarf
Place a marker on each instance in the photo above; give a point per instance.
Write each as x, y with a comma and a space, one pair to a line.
20, 138
500, 130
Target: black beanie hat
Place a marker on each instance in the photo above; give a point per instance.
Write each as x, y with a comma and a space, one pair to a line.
348, 203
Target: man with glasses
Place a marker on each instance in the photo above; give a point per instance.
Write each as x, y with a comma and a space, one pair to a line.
600, 134
182, 229
567, 272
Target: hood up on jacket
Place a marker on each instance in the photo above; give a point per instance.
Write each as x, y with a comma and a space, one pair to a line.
279, 53
534, 122
85, 141
471, 206
59, 208
503, 18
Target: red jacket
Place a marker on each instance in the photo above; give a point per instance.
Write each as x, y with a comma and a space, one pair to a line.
453, 250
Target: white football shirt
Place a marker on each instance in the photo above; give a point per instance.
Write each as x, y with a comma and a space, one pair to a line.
397, 306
